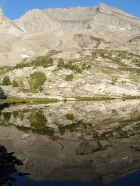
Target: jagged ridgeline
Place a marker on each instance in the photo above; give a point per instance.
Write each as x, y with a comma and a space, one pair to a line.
58, 19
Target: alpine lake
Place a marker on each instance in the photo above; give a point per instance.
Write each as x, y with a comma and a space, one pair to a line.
74, 143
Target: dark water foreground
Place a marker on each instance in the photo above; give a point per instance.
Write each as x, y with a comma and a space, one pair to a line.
76, 143
128, 180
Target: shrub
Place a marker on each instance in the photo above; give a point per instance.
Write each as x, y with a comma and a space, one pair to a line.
69, 65
2, 94
15, 114
84, 66
61, 62
6, 81
43, 61
70, 117
36, 81
69, 77
37, 119
7, 115
22, 65
21, 84
77, 68
15, 83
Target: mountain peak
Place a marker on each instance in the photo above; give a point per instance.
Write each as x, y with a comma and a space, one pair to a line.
102, 4
1, 12
2, 16
111, 10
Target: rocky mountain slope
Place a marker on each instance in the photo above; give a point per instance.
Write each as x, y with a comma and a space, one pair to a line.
103, 42
64, 19
39, 31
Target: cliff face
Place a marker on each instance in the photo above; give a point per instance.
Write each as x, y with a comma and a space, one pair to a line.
4, 22
59, 19
62, 19
35, 20
112, 17
7, 26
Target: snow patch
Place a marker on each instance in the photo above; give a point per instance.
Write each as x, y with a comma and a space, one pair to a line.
26, 135
125, 158
24, 56
23, 29
122, 29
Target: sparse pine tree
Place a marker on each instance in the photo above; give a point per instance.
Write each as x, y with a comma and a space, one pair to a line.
6, 81
15, 83
2, 94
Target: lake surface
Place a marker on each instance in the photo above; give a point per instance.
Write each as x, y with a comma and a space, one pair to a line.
75, 143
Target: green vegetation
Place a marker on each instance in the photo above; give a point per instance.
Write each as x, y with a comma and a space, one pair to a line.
61, 62
114, 80
120, 130
36, 81
84, 66
73, 126
130, 97
44, 61
42, 131
6, 81
15, 83
21, 84
7, 115
70, 117
69, 77
2, 94
70, 66
21, 116
37, 119
78, 98
15, 114
114, 112
16, 100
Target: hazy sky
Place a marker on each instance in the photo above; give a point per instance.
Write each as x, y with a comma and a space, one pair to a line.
14, 9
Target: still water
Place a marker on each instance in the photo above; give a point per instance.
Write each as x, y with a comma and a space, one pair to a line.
75, 143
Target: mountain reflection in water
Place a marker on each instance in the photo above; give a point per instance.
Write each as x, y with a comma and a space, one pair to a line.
74, 141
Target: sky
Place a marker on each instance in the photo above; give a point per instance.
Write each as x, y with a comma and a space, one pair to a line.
14, 9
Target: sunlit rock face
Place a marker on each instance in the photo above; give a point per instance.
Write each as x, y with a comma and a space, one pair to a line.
77, 141
39, 31
4, 22
60, 19
7, 26
79, 18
